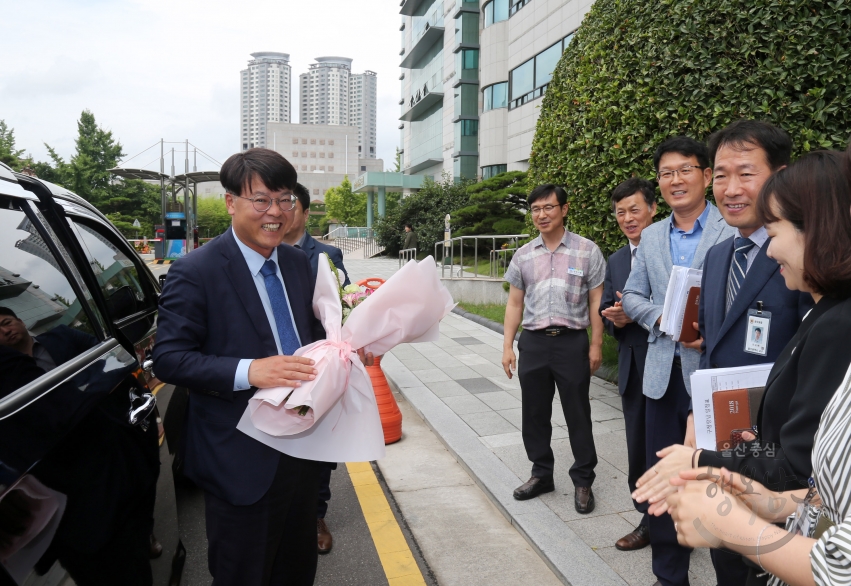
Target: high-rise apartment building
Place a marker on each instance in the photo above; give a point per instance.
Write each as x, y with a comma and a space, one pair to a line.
265, 96
329, 93
472, 75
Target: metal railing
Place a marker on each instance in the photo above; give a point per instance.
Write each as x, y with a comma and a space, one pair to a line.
407, 254
372, 248
498, 258
349, 232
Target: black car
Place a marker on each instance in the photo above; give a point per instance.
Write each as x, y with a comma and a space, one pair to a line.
79, 455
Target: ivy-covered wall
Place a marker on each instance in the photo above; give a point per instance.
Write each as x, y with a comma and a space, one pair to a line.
640, 71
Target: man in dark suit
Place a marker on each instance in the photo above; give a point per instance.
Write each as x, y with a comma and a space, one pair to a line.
739, 277
298, 236
231, 315
634, 204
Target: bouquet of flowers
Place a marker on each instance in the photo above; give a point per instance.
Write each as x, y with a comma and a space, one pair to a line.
334, 418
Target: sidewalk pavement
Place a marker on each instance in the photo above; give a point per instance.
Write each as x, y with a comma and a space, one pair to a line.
459, 388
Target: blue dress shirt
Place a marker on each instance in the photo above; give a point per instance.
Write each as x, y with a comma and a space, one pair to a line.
255, 261
684, 244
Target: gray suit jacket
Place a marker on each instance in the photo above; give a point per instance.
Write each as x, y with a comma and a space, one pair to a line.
644, 297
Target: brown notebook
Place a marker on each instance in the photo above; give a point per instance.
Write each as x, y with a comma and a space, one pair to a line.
735, 411
687, 332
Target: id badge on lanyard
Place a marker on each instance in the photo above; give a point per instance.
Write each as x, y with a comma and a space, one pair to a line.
757, 330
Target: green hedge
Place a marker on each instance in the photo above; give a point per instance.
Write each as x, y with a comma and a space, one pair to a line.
638, 72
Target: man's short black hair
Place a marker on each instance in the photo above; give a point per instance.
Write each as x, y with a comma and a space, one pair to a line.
740, 134
7, 311
685, 146
303, 196
409, 226
270, 167
544, 191
632, 186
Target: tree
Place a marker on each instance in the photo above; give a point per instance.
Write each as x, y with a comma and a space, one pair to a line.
638, 72
425, 210
213, 217
344, 206
497, 206
9, 154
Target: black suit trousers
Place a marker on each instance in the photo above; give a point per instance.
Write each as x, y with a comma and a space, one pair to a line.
666, 425
562, 361
271, 542
634, 412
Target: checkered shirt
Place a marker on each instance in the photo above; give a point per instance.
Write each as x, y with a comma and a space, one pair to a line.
556, 284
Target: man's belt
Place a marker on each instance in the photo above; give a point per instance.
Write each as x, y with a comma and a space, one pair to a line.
552, 331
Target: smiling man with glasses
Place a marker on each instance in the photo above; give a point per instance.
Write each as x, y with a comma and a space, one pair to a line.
231, 315
556, 282
683, 171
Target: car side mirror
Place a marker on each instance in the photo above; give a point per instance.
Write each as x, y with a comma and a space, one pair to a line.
121, 303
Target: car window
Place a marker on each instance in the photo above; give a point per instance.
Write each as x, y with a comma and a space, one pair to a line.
43, 321
116, 272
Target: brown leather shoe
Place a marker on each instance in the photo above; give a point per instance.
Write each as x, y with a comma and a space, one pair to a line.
324, 539
156, 548
583, 500
638, 539
534, 487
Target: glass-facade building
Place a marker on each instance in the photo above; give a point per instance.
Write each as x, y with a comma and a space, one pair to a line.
472, 75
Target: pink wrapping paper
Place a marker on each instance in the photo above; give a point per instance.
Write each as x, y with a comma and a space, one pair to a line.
407, 308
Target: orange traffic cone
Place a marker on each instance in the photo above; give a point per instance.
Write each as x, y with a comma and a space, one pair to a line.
391, 416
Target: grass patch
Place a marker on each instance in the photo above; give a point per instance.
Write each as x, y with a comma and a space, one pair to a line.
609, 369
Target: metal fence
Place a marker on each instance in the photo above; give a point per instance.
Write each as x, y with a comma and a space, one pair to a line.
407, 254
500, 249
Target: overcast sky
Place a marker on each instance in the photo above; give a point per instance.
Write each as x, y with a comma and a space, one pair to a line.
151, 69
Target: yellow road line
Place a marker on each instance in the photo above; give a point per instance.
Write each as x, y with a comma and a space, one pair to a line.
398, 562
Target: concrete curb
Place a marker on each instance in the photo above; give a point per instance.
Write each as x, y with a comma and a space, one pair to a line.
570, 558
483, 321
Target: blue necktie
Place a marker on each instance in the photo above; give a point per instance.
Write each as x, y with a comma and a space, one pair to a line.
738, 268
280, 308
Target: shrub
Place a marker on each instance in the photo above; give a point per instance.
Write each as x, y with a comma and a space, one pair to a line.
497, 206
638, 72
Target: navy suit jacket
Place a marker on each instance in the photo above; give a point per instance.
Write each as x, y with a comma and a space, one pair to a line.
724, 332
632, 338
210, 317
312, 248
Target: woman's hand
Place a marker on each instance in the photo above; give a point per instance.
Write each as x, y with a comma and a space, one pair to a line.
654, 486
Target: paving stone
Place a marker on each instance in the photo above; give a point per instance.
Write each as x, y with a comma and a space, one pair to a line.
513, 416
471, 359
489, 370
459, 372
635, 567
614, 402
432, 375
499, 400
601, 532
463, 405
447, 388
503, 439
602, 412
415, 364
478, 385
467, 340
488, 423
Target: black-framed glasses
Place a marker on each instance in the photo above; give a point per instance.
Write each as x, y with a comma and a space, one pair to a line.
263, 203
684, 172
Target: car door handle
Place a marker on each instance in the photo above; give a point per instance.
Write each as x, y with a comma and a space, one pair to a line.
140, 407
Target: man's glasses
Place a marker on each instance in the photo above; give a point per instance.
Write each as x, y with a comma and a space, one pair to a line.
263, 203
537, 211
684, 172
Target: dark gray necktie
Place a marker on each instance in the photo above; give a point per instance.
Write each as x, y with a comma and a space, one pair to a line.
738, 268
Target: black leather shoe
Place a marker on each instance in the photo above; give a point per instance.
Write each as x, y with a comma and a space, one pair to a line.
533, 487
639, 538
583, 500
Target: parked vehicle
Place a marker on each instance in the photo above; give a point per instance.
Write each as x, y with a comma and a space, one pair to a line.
79, 455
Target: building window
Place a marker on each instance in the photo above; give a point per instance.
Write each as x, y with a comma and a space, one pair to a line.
315, 191
493, 171
321, 141
312, 141
321, 167
303, 141
321, 155
517, 5
295, 153
496, 11
467, 136
295, 141
330, 155
304, 167
495, 96
331, 169
331, 142
530, 80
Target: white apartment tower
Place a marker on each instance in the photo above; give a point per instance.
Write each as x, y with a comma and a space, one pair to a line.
329, 93
265, 96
